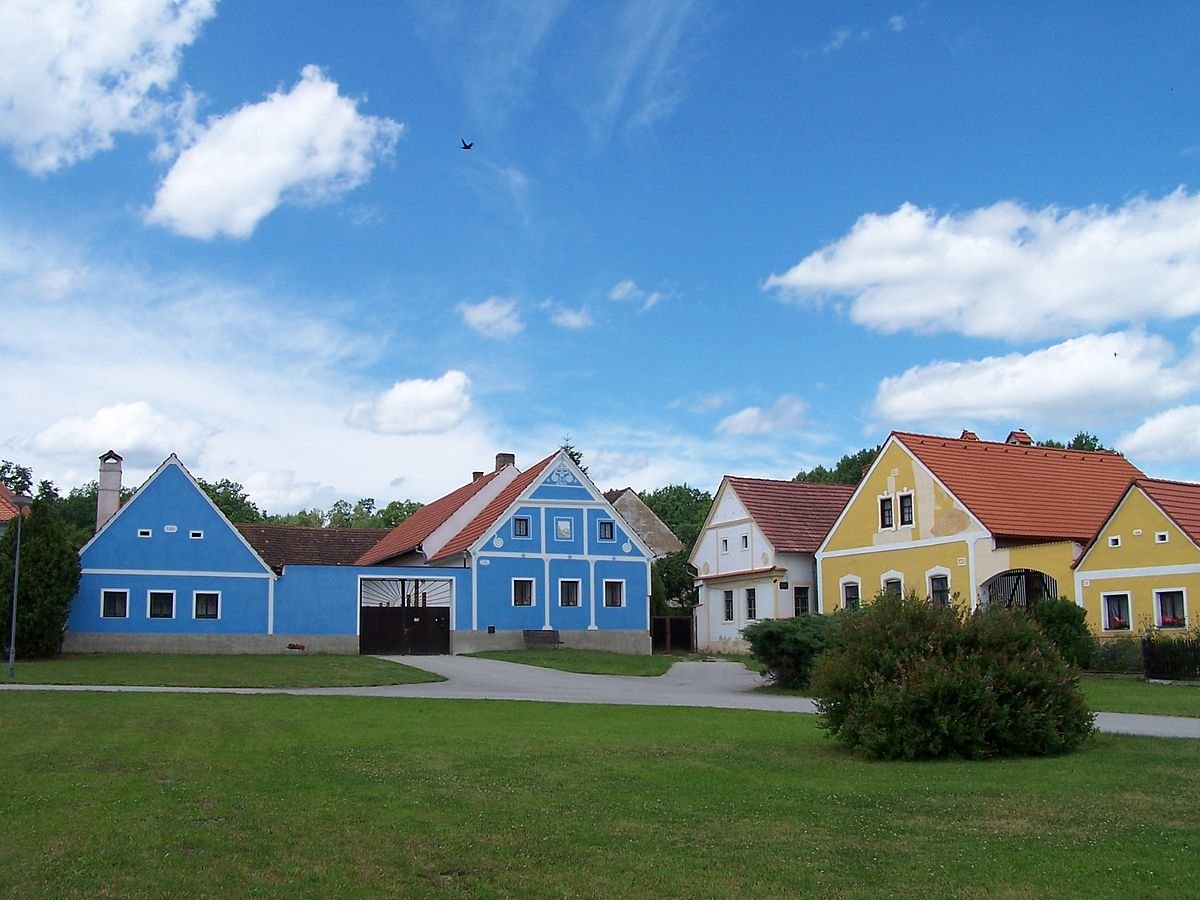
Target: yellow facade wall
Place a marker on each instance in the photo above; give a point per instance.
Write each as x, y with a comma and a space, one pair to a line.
913, 564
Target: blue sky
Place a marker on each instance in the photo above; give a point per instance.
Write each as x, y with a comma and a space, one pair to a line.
699, 238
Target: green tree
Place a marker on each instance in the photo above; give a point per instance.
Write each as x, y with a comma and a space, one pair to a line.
49, 578
1084, 440
17, 478
395, 513
341, 514
678, 578
849, 469
682, 508
571, 451
232, 500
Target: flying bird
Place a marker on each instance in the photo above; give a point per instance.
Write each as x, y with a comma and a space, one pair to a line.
467, 145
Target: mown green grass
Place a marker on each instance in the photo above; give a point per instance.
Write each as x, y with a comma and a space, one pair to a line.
197, 670
1134, 696
157, 795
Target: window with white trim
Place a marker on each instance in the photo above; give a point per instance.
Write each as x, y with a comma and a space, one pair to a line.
522, 592
605, 530
520, 527
886, 516
145, 532
1161, 537
939, 590
568, 592
745, 542
800, 601
906, 509
196, 535
614, 593
114, 604
563, 529
893, 586
751, 603
728, 606
1116, 613
1170, 610
1114, 540
160, 604
724, 545
850, 595
207, 604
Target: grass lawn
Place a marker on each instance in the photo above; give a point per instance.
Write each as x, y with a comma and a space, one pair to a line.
1133, 696
197, 670
154, 795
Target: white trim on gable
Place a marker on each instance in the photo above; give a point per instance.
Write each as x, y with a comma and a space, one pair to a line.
466, 513
1133, 485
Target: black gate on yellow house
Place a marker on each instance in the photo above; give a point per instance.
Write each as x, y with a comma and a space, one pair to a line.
404, 616
1018, 589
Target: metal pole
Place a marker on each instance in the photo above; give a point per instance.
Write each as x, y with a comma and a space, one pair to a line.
20, 503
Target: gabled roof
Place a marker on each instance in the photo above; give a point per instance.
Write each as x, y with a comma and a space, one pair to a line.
1026, 492
491, 513
795, 516
653, 531
293, 545
409, 534
1180, 500
8, 510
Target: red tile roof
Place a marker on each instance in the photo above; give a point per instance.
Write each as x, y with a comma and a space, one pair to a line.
494, 510
795, 516
8, 511
412, 531
1178, 499
1026, 492
293, 545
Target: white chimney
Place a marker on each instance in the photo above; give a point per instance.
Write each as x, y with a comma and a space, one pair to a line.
108, 498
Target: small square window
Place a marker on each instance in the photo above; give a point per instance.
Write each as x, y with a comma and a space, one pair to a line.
729, 606
208, 605
886, 519
1114, 540
1161, 537
568, 593
162, 604
145, 533
114, 604
521, 526
562, 529
906, 509
606, 531
196, 535
522, 592
1116, 612
614, 593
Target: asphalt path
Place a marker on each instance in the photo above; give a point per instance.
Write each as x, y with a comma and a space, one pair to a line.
713, 684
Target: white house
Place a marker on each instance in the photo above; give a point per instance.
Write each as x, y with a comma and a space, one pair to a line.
755, 559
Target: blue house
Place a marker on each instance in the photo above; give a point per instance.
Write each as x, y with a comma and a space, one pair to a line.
509, 552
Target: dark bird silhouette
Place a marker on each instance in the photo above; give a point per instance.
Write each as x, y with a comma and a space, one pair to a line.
467, 145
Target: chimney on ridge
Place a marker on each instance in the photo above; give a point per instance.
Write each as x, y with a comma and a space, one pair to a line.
505, 459
108, 497
1019, 437
968, 435
475, 476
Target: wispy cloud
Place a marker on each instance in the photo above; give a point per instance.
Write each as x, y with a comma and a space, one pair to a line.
498, 318
566, 317
627, 291
787, 413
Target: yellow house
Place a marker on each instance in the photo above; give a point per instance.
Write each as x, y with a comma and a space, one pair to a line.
1144, 563
980, 521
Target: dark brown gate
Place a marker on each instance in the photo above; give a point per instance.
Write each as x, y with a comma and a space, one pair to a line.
672, 634
391, 630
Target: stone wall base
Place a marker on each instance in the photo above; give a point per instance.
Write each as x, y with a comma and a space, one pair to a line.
726, 645
99, 642
634, 642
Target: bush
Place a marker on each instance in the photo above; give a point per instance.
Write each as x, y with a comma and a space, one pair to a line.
1065, 624
49, 577
789, 648
909, 680
1118, 654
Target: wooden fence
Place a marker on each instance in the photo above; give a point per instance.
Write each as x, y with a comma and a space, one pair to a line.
1171, 660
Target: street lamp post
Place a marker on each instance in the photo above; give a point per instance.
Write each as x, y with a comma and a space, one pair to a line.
20, 503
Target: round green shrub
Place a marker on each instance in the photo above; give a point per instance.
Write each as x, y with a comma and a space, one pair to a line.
1065, 624
910, 680
789, 648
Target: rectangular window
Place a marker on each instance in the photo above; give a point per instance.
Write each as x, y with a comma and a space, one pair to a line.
1161, 537
724, 545
885, 513
745, 542
196, 535
606, 532
562, 529
520, 526
1171, 613
1114, 540
800, 605
906, 509
939, 590
893, 586
850, 595
568, 593
729, 606
162, 604
614, 593
208, 605
1116, 612
751, 603
522, 592
114, 604
144, 532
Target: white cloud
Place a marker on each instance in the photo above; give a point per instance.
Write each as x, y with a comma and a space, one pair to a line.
785, 414
309, 144
1076, 384
417, 406
144, 435
703, 403
572, 319
628, 291
897, 22
1170, 436
495, 317
76, 73
1010, 272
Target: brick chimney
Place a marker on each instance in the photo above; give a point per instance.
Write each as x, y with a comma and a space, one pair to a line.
968, 435
108, 497
1019, 437
505, 459
475, 476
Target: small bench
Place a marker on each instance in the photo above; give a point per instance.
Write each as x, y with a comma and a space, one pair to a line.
541, 637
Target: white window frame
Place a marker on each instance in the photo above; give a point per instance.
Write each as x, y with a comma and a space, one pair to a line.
912, 509
724, 545
891, 575
217, 617
528, 535
559, 522
1114, 540
196, 535
879, 501
1158, 608
612, 531
150, 591
728, 610
1162, 537
620, 582
808, 600
751, 604
746, 541
124, 591
842, 582
578, 582
145, 532
929, 576
532, 582
1104, 627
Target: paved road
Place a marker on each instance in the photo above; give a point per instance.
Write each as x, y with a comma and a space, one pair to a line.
722, 685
